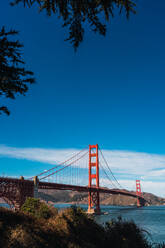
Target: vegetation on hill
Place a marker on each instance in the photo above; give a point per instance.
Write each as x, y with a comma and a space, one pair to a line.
71, 228
105, 199
38, 209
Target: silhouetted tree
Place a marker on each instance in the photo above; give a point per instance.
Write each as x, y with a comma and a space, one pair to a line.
14, 78
76, 13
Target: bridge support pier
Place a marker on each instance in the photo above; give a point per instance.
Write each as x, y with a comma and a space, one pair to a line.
15, 191
93, 195
36, 181
22, 192
94, 203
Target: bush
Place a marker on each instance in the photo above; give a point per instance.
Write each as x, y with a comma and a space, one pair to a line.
125, 234
78, 230
38, 209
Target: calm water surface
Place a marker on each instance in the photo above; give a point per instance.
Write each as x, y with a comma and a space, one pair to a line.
151, 218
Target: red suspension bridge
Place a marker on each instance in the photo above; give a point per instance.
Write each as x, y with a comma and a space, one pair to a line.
86, 171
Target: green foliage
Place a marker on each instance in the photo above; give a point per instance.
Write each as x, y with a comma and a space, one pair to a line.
38, 209
14, 78
76, 14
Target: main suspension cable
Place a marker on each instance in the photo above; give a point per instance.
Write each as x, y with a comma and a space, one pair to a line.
44, 172
113, 185
109, 168
64, 167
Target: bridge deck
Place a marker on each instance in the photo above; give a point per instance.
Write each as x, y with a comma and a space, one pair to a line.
48, 185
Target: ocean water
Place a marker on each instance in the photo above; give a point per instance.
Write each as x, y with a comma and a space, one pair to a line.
151, 218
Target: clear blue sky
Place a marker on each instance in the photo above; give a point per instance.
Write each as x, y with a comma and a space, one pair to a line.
111, 92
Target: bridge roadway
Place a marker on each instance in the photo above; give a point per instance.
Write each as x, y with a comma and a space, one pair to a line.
48, 185
15, 189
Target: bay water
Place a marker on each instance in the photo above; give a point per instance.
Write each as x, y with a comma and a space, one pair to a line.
150, 218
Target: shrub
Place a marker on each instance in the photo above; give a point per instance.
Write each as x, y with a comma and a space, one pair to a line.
78, 229
38, 209
125, 234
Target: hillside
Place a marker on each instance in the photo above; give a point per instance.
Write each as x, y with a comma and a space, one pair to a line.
70, 228
59, 196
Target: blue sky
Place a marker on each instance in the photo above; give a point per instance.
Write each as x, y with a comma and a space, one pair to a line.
110, 92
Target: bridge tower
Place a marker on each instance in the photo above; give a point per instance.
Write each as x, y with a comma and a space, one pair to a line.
93, 197
138, 193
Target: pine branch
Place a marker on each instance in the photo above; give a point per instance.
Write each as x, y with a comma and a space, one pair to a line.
75, 13
14, 78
